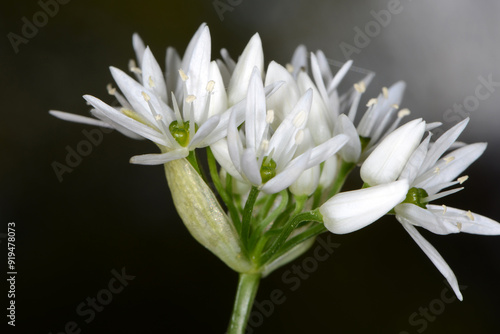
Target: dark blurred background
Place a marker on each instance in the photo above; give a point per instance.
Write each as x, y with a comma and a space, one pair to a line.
107, 214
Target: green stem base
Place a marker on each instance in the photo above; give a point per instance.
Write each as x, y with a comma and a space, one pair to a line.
245, 295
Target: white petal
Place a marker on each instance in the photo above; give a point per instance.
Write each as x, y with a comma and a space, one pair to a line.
186, 60
442, 144
158, 159
326, 150
412, 167
283, 101
139, 47
221, 154
250, 168
79, 119
352, 210
445, 171
123, 130
218, 98
318, 79
255, 116
235, 146
479, 225
435, 257
352, 149
329, 172
126, 121
306, 183
317, 116
387, 161
200, 138
299, 60
152, 76
251, 57
286, 176
172, 78
197, 71
418, 216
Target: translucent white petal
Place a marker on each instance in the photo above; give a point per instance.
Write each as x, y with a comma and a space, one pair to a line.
435, 257
287, 175
317, 120
221, 154
123, 130
127, 122
351, 151
285, 98
139, 47
418, 216
442, 144
218, 98
410, 171
255, 116
199, 139
445, 170
299, 60
326, 150
172, 78
352, 210
152, 75
79, 119
159, 159
467, 221
250, 168
306, 183
251, 57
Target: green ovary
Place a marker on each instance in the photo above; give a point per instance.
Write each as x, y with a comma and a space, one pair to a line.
416, 196
180, 132
268, 169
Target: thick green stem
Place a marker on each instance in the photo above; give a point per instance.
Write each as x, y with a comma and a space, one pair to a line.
245, 295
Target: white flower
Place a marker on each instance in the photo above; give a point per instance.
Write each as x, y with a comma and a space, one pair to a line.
267, 161
352, 210
428, 175
185, 110
389, 158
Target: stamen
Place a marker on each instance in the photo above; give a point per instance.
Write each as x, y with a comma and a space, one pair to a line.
183, 75
360, 87
403, 112
299, 137
111, 89
146, 96
469, 215
270, 116
463, 179
132, 66
158, 117
444, 208
395, 106
459, 226
385, 91
264, 145
436, 170
449, 159
190, 98
289, 68
210, 86
151, 82
371, 102
299, 119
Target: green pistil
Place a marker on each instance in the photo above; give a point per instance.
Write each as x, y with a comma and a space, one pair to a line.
268, 169
180, 131
416, 196
364, 142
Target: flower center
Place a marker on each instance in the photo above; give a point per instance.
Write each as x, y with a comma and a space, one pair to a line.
268, 169
416, 196
180, 132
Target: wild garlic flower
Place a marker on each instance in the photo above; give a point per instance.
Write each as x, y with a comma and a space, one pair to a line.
429, 172
264, 158
185, 109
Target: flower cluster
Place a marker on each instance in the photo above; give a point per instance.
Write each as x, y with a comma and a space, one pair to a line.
280, 142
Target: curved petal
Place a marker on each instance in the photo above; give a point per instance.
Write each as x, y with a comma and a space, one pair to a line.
435, 257
466, 221
159, 159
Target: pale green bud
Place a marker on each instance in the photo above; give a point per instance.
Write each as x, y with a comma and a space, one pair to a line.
203, 216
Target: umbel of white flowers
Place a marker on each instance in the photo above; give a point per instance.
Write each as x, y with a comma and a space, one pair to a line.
284, 135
